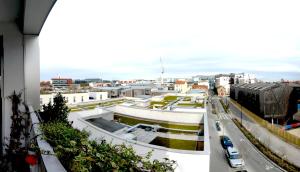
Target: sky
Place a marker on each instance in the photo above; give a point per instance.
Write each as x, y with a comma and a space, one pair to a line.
119, 39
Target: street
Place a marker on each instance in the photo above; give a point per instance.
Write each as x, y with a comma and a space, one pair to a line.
254, 160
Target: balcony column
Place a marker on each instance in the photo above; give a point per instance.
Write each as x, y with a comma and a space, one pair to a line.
32, 70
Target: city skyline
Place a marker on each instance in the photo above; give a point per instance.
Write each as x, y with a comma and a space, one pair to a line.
124, 42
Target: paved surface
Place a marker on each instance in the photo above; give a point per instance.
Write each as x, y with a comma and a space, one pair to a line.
282, 148
254, 160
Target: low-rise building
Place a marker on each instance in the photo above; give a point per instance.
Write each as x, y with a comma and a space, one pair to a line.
223, 81
181, 86
244, 78
112, 92
204, 83
203, 88
74, 98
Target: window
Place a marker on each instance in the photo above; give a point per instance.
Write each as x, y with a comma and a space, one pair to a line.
100, 96
74, 99
41, 101
81, 98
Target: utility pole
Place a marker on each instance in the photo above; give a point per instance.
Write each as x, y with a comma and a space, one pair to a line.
241, 113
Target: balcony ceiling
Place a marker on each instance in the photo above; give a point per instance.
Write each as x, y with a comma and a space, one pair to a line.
29, 14
9, 10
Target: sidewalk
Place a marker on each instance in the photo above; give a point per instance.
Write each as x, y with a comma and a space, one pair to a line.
277, 145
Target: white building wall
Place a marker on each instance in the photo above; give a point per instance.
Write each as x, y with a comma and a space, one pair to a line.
76, 98
32, 70
12, 71
98, 95
223, 81
245, 78
204, 82
169, 116
182, 88
46, 98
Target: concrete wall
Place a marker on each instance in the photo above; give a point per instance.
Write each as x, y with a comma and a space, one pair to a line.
32, 70
45, 99
99, 95
79, 97
12, 70
76, 98
167, 116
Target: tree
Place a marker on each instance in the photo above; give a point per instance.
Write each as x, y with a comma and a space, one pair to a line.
57, 112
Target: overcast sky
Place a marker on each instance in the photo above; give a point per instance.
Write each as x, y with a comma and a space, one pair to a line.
117, 39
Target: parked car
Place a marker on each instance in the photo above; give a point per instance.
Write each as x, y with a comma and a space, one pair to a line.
234, 158
218, 126
226, 142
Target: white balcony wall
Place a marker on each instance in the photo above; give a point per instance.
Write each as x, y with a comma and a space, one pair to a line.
12, 70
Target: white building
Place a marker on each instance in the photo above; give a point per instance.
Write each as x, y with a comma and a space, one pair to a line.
223, 80
74, 98
244, 78
181, 86
204, 82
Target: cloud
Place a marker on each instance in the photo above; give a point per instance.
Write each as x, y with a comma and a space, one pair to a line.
126, 39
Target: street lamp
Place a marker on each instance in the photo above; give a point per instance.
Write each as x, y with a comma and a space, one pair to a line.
241, 112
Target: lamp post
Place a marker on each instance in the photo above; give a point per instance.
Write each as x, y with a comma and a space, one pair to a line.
241, 113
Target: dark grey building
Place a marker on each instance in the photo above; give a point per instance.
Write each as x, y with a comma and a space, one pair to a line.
268, 100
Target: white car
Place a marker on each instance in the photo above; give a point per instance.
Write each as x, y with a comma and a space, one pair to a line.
234, 158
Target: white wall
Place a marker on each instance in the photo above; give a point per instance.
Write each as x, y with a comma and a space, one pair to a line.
32, 70
78, 97
99, 95
182, 88
167, 116
223, 81
12, 71
45, 99
70, 97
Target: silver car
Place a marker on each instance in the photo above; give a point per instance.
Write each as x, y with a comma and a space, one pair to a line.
234, 158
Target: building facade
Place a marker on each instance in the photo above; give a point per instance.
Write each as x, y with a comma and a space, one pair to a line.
61, 82
181, 86
223, 81
75, 98
268, 100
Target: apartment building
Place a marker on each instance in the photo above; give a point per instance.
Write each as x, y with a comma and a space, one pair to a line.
244, 78
223, 81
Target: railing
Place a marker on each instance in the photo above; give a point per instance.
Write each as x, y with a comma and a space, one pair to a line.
280, 132
49, 162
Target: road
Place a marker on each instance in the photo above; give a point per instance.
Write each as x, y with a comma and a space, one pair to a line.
254, 160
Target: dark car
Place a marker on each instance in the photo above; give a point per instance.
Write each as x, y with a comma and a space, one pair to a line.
218, 126
226, 142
